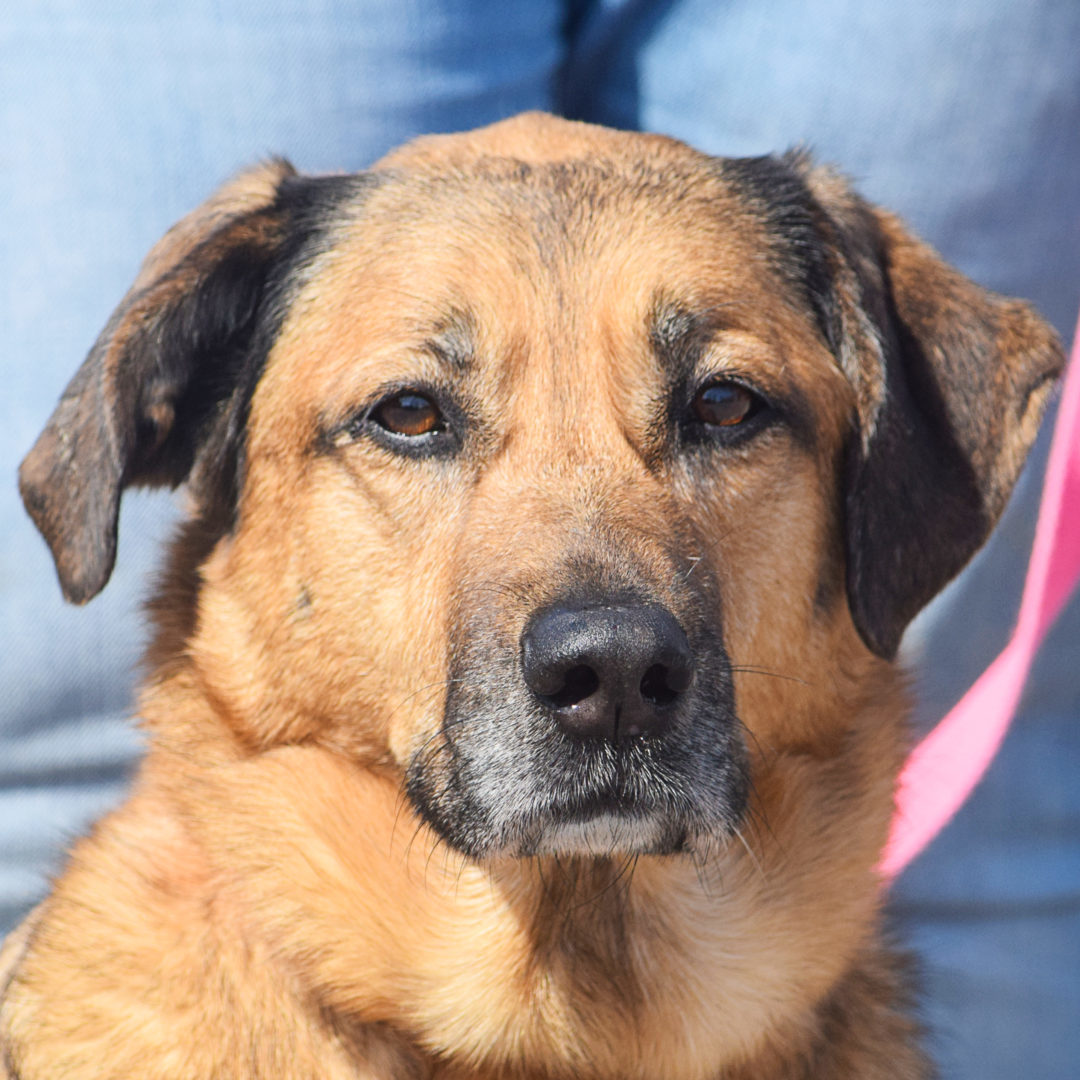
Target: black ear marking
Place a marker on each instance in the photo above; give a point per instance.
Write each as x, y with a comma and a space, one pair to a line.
914, 508
951, 381
162, 397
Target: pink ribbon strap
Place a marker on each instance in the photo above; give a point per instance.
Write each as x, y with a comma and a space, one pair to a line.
944, 768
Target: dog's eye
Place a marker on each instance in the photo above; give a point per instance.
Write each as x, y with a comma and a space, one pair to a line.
408, 413
724, 404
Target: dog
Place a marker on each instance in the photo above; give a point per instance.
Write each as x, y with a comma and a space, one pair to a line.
522, 701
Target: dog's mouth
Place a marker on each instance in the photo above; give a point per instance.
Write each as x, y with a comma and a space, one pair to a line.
639, 755
500, 784
640, 814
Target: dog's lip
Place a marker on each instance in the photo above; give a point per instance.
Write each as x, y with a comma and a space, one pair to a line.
605, 803
603, 832
614, 798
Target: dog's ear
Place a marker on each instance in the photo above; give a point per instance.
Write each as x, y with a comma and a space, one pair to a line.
161, 394
951, 381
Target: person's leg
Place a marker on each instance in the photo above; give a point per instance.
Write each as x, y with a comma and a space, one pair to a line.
116, 118
965, 118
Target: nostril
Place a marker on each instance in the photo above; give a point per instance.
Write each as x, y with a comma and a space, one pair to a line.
656, 686
579, 683
614, 671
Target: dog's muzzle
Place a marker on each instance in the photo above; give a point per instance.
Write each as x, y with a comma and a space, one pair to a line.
606, 728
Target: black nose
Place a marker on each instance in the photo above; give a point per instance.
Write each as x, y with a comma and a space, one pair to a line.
613, 672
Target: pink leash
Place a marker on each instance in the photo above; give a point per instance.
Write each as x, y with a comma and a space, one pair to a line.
944, 768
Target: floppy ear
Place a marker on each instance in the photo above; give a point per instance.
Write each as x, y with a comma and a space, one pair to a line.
951, 381
164, 388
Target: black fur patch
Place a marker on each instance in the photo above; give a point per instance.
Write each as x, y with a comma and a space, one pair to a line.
257, 289
778, 194
914, 507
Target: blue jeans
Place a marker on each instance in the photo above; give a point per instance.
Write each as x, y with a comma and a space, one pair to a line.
118, 116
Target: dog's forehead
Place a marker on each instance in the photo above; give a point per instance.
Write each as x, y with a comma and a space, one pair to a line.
538, 234
581, 198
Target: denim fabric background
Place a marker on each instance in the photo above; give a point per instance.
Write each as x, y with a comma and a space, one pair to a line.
118, 116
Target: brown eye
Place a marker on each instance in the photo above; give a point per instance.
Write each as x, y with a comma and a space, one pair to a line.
408, 413
723, 404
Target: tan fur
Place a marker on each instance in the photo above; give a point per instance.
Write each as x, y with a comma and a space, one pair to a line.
267, 904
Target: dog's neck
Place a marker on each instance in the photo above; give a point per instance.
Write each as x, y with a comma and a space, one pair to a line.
513, 961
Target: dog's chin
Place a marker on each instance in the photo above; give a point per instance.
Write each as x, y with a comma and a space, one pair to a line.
585, 825
605, 834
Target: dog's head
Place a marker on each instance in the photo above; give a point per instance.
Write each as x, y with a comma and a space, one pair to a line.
555, 470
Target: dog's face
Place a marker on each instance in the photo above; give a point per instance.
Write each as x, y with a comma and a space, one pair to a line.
565, 475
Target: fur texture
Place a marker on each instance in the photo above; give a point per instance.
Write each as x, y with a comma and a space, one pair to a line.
542, 367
